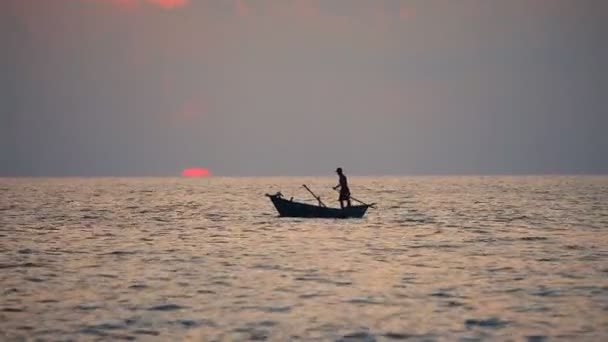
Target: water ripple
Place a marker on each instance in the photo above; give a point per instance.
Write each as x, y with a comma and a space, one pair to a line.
441, 258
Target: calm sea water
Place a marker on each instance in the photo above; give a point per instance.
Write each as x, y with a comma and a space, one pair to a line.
441, 258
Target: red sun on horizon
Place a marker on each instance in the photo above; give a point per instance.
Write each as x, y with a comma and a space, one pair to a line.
196, 172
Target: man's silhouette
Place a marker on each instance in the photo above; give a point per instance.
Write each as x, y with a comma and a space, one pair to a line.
344, 190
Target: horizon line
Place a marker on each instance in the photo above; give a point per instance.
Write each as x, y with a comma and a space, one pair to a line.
312, 175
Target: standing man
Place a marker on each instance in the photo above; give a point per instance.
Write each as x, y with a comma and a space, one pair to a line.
344, 190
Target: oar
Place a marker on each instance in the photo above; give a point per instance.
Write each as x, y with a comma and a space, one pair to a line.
372, 205
315, 196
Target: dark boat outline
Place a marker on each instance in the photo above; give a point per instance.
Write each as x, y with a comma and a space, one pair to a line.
289, 208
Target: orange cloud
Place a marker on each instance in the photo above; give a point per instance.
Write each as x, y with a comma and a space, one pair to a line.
169, 3
307, 8
405, 13
242, 10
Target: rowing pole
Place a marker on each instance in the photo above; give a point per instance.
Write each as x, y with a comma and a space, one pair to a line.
314, 195
354, 199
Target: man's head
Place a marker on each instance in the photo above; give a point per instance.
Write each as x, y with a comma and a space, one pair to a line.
339, 170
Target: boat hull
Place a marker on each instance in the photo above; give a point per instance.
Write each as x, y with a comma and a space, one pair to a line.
288, 208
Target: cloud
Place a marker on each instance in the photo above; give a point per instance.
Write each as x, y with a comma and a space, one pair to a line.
169, 4
307, 8
242, 9
124, 3
405, 13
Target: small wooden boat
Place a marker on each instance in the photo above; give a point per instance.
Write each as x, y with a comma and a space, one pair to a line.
289, 208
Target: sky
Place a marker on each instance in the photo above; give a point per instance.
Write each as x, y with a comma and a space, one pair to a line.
300, 87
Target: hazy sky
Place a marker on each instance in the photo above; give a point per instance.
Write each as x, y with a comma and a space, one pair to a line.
298, 87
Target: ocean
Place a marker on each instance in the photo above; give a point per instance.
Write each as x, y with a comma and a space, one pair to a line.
469, 258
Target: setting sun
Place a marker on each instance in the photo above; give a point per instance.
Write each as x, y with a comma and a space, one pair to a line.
196, 172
